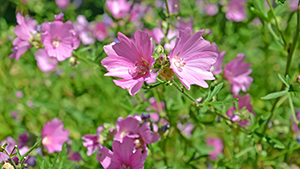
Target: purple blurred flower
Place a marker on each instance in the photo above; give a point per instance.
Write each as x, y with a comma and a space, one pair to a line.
92, 142
124, 155
3, 157
192, 58
217, 67
236, 10
118, 8
217, 143
74, 156
186, 129
211, 9
108, 21
59, 39
44, 61
100, 31
244, 102
173, 6
24, 31
237, 73
82, 28
19, 94
30, 104
10, 144
130, 61
63, 4
154, 105
14, 115
54, 135
147, 135
23, 139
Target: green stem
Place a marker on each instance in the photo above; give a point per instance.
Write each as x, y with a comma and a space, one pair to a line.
277, 24
160, 110
292, 109
32, 148
181, 89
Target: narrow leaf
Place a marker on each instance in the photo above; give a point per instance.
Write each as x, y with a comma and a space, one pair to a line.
281, 77
223, 103
274, 95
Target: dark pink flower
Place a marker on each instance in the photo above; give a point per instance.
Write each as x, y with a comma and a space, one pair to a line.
59, 39
24, 31
74, 156
54, 135
100, 31
192, 58
44, 61
236, 10
147, 135
59, 17
237, 73
129, 61
217, 143
92, 142
118, 8
124, 155
63, 4
245, 105
217, 67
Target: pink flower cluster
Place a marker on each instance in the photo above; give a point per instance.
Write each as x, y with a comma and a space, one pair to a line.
55, 40
130, 139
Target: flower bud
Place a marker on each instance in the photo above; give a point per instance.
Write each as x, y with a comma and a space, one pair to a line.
235, 118
166, 74
7, 166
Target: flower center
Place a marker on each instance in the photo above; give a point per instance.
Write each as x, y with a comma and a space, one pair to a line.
179, 62
125, 166
46, 141
55, 42
139, 69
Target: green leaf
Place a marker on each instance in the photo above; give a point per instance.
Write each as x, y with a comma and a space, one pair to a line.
274, 95
281, 77
222, 103
280, 2
62, 156
214, 92
277, 143
259, 14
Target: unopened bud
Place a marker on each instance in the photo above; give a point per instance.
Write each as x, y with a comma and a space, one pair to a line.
59, 17
165, 127
145, 116
298, 79
159, 49
73, 61
166, 74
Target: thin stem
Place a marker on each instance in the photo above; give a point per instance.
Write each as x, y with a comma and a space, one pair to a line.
183, 92
167, 19
292, 109
160, 110
32, 148
277, 24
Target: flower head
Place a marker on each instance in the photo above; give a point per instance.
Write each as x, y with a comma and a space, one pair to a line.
44, 61
24, 31
125, 127
63, 4
124, 155
237, 73
217, 143
245, 108
192, 58
236, 10
100, 31
130, 61
92, 142
54, 135
83, 30
211, 9
217, 67
59, 39
118, 8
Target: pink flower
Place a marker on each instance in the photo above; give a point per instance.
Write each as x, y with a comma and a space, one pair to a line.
54, 135
44, 61
211, 9
59, 17
217, 143
82, 28
59, 39
130, 61
293, 4
192, 58
236, 10
63, 4
147, 135
100, 31
244, 102
154, 105
217, 67
124, 155
186, 128
118, 8
125, 127
19, 94
10, 144
92, 142
237, 73
3, 157
24, 32
173, 6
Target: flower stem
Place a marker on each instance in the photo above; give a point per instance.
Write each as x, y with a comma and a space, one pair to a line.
277, 24
32, 148
181, 89
292, 109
